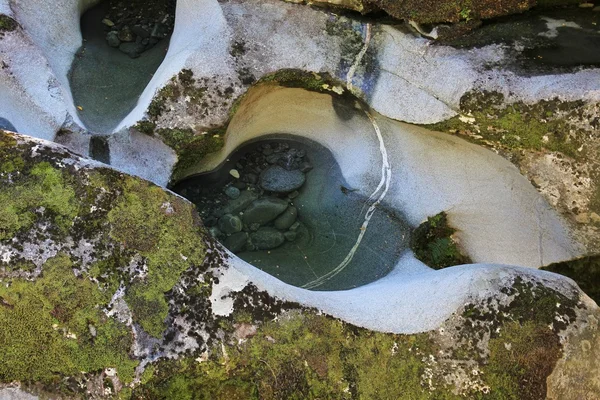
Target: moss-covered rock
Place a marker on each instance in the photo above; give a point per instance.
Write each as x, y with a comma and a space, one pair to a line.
433, 243
107, 286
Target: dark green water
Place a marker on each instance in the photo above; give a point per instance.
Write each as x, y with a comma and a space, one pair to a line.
332, 215
105, 82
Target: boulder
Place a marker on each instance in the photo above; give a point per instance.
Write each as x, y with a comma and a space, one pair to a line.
264, 210
236, 242
232, 192
244, 200
230, 224
267, 238
287, 219
279, 180
112, 38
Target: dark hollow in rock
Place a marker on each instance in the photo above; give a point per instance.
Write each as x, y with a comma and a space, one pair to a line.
300, 235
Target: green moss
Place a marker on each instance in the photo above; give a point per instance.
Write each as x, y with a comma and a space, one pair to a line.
7, 24
163, 230
585, 271
184, 84
432, 243
521, 358
45, 188
45, 331
302, 357
543, 125
146, 127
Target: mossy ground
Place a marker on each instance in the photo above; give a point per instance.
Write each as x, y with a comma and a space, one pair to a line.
433, 244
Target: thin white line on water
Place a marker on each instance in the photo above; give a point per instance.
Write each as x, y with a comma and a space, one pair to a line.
386, 177
358, 59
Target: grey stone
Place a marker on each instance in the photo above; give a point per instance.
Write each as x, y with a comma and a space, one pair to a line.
279, 180
112, 38
232, 192
230, 224
267, 238
290, 236
235, 206
287, 219
250, 178
295, 226
264, 210
140, 32
273, 158
305, 166
236, 242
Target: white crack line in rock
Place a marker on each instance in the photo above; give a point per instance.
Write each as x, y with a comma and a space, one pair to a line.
386, 177
358, 59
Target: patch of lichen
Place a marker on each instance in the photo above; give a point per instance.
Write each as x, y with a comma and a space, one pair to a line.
7, 24
585, 271
163, 229
543, 125
47, 328
433, 244
45, 192
184, 84
302, 356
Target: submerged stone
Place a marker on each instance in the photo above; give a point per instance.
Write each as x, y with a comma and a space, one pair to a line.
244, 200
236, 242
230, 224
279, 180
287, 219
264, 210
267, 238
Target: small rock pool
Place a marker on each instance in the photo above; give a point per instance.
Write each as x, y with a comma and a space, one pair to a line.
124, 43
282, 205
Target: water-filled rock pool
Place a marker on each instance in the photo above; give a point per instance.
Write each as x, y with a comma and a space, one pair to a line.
282, 205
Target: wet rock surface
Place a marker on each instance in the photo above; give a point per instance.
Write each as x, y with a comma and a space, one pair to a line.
255, 209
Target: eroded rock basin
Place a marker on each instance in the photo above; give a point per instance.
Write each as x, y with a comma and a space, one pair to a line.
105, 81
327, 246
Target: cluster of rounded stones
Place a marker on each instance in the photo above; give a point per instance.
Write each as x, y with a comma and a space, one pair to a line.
131, 32
257, 211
